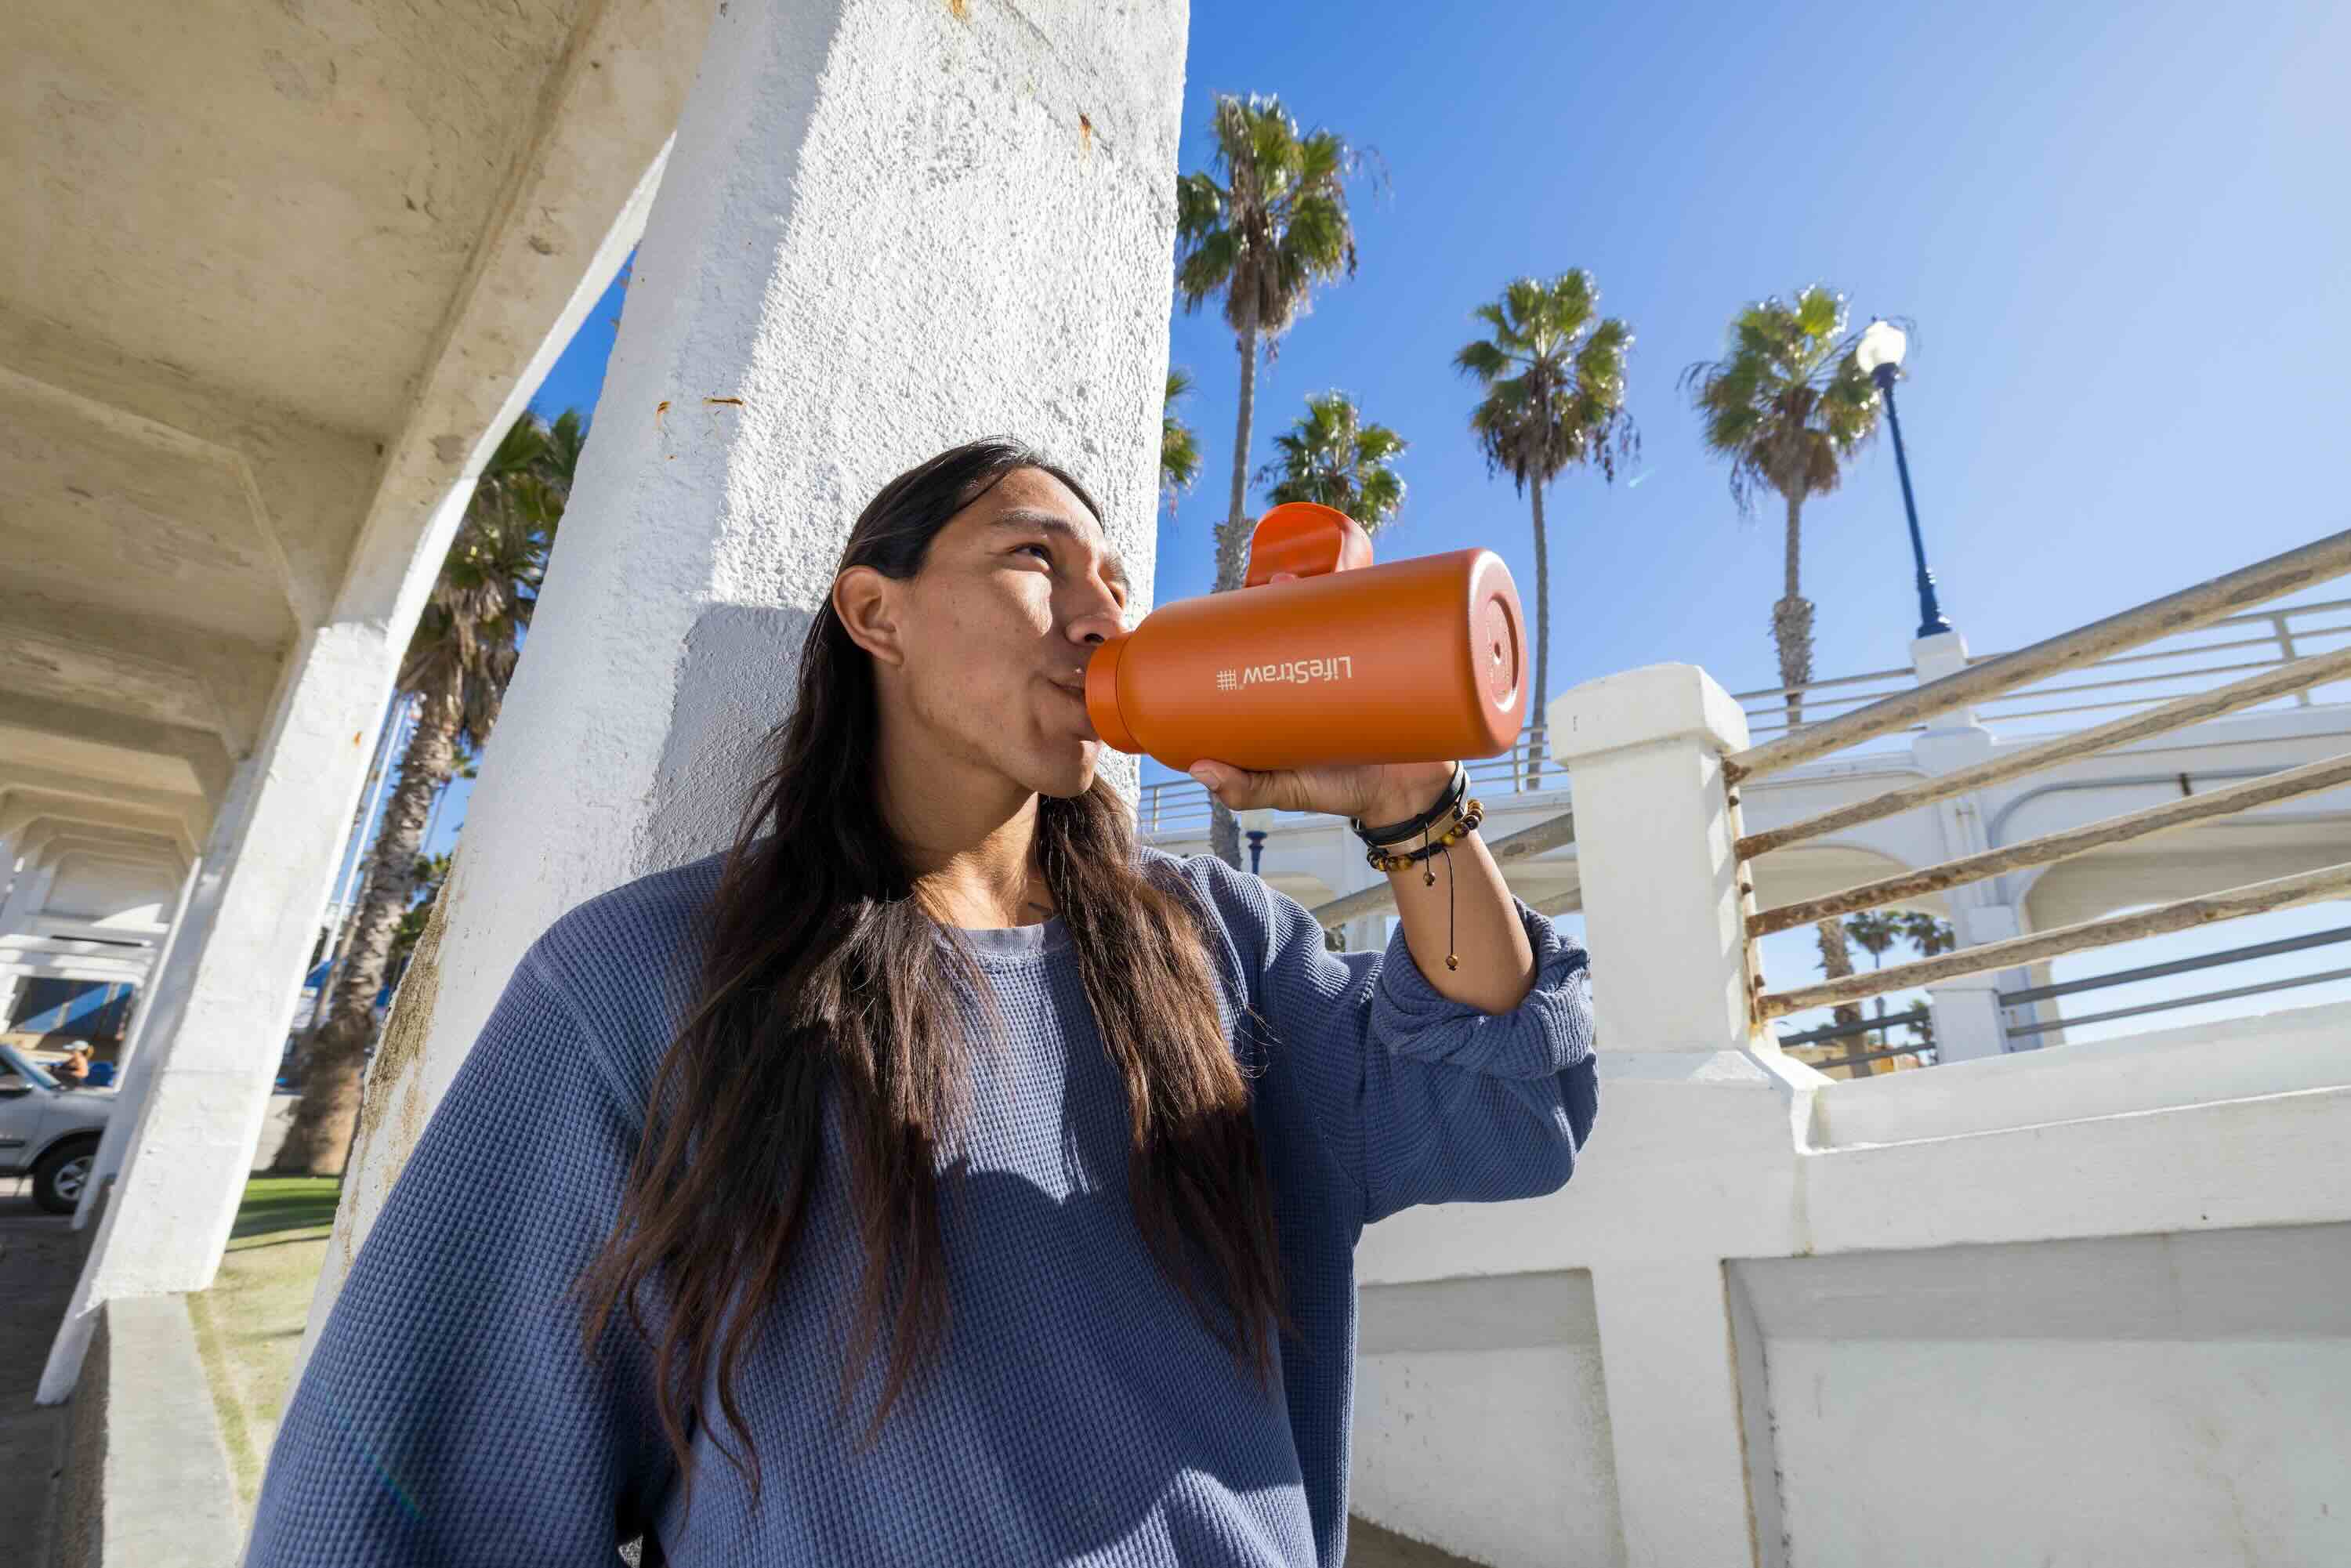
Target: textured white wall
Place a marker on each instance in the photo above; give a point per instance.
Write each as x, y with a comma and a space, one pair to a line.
887, 226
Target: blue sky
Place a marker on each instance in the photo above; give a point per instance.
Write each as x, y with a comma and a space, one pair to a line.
2120, 230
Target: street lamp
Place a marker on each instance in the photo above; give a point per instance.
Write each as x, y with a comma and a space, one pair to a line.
1880, 356
1256, 825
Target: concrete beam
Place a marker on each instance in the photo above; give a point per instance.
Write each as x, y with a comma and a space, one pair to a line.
149, 667
20, 807
88, 730
49, 842
16, 775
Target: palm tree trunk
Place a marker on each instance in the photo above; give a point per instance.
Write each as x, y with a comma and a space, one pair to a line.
1792, 631
1232, 566
320, 1140
1791, 619
1542, 642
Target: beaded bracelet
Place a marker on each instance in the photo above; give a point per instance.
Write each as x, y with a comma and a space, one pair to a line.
1467, 823
1397, 832
1473, 814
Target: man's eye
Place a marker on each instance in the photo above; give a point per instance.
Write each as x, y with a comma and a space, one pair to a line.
1043, 553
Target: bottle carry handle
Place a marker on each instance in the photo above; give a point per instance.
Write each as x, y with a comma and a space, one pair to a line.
1305, 540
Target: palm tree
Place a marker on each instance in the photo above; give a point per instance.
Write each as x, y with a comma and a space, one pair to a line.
1554, 374
1179, 449
1788, 405
1264, 224
1874, 932
458, 663
1332, 458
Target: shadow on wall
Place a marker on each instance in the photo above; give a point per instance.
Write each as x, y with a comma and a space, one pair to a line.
742, 671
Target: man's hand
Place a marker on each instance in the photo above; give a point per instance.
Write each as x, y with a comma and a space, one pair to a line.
1375, 795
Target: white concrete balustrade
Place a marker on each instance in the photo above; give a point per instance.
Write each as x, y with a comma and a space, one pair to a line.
2089, 1304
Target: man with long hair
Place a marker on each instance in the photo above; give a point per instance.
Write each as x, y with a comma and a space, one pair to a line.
974, 1184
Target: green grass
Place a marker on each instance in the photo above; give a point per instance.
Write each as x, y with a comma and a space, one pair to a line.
274, 1206
249, 1324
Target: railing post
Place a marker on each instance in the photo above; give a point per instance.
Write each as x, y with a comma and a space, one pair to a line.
2285, 642
1662, 901
1968, 1020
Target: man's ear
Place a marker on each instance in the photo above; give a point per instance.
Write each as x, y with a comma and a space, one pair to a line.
867, 604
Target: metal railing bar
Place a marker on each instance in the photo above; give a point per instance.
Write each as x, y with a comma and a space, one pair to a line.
1903, 673
1840, 1030
2089, 708
2160, 618
2316, 670
1866, 1056
2049, 848
2230, 994
1778, 710
2233, 903
2251, 618
2175, 966
2268, 641
2034, 694
1380, 897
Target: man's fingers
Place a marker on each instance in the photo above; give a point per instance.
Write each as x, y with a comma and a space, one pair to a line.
1238, 788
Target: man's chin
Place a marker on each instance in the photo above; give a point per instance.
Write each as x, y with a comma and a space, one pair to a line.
1071, 773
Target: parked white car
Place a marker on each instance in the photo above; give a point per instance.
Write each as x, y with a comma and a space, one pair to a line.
48, 1131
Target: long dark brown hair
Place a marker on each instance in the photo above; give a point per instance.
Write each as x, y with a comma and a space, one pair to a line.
824, 972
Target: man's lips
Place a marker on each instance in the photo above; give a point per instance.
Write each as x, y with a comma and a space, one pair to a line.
1076, 689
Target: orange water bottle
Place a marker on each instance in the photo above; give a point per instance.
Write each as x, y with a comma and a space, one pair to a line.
1342, 661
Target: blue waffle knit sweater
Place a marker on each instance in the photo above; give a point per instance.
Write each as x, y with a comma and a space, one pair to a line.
1082, 1413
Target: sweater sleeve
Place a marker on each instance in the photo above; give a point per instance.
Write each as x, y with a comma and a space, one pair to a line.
1428, 1099
448, 1414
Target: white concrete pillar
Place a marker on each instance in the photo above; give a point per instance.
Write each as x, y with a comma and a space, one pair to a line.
888, 226
142, 1007
159, 1015
1653, 831
1969, 1022
1667, 1360
1932, 658
26, 898
1664, 920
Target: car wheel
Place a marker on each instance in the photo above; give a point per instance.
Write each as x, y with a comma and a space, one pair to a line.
58, 1179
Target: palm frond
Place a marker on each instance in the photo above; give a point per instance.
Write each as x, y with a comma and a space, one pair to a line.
1267, 220
1788, 402
1330, 458
1554, 381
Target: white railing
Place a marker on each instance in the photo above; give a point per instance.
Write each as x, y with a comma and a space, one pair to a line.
1180, 808
2171, 665
2032, 678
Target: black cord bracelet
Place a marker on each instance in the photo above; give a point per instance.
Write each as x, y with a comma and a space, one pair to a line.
1455, 788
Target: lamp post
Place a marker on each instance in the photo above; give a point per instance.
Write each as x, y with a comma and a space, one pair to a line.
1255, 825
1879, 354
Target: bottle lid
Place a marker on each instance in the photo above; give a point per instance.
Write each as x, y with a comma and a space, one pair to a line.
1306, 541
1102, 697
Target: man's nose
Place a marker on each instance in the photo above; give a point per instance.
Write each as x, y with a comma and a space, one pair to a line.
1097, 617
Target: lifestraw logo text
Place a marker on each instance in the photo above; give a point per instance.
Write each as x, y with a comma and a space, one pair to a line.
1292, 672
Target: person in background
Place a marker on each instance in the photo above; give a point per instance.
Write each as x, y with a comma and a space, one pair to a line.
73, 1072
